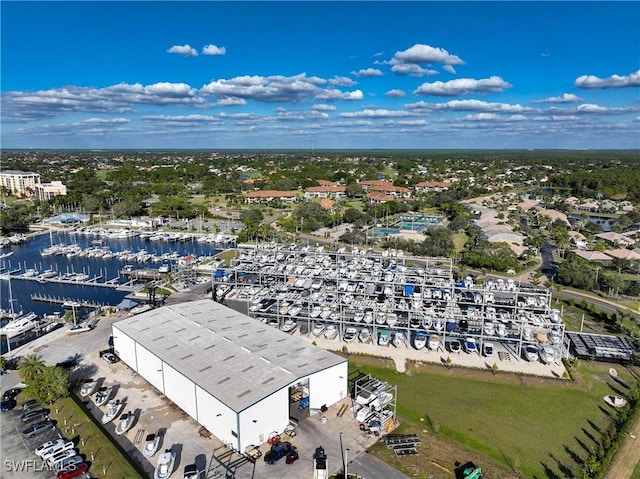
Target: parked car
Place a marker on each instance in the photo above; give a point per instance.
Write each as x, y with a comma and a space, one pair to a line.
34, 416
72, 471
7, 405
57, 449
191, 472
277, 452
68, 463
10, 393
30, 404
49, 446
38, 428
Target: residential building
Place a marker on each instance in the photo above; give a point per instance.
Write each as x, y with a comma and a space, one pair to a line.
46, 191
19, 183
266, 196
329, 191
427, 186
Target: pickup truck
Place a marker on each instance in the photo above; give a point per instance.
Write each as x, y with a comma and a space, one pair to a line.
278, 451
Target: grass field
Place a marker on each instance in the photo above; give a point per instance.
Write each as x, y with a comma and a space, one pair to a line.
533, 426
459, 239
106, 455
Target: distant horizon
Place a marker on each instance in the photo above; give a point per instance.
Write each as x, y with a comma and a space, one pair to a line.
321, 76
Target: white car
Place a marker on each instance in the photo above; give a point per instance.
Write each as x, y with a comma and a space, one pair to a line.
48, 446
49, 453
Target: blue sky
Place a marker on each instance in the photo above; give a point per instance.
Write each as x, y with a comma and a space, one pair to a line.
320, 74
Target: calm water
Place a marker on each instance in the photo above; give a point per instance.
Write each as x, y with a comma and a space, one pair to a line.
28, 256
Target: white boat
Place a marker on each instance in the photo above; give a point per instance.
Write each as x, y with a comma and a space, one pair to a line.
489, 328
438, 324
88, 388
20, 325
331, 332
164, 467
392, 319
554, 336
113, 409
547, 354
434, 342
615, 401
399, 339
141, 308
315, 312
419, 339
80, 328
350, 334
151, 444
531, 353
427, 322
364, 336
384, 337
102, 396
318, 329
125, 423
289, 326
501, 330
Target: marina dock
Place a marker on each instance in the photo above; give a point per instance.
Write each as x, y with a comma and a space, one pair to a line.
67, 301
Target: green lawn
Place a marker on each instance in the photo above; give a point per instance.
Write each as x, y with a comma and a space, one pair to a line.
105, 453
523, 423
459, 240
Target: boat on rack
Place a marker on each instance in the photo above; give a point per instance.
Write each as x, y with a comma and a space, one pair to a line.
364, 336
20, 325
419, 339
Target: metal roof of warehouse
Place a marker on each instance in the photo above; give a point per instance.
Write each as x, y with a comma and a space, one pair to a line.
235, 358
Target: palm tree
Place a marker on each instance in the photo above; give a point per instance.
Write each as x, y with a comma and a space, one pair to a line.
30, 366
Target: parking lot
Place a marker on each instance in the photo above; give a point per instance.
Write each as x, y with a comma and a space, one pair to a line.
154, 413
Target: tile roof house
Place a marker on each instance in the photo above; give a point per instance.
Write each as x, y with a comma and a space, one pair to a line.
266, 196
379, 198
383, 186
328, 191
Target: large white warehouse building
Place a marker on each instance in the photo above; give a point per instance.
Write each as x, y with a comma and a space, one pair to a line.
229, 372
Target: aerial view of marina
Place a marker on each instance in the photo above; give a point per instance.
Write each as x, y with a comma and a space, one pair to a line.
320, 240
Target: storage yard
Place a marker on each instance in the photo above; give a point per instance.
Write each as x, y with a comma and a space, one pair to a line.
383, 299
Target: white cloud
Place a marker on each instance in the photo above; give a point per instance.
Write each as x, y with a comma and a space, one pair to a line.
395, 93
590, 109
449, 68
352, 95
614, 81
481, 117
271, 89
467, 105
412, 69
105, 121
374, 113
186, 50
342, 81
231, 101
420, 53
462, 86
367, 72
323, 107
564, 98
20, 106
213, 50
183, 118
